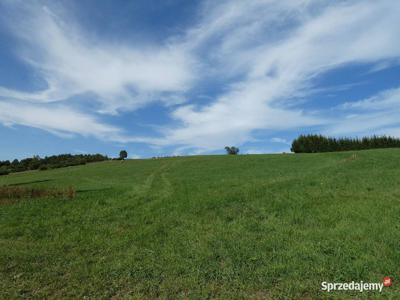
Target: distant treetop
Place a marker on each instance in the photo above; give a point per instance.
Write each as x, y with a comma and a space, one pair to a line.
123, 154
232, 150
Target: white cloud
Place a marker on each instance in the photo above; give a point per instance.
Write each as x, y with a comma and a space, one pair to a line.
257, 151
59, 120
280, 141
385, 100
267, 151
378, 114
266, 54
72, 62
275, 70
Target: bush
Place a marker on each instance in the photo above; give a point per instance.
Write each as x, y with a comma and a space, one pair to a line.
318, 143
4, 171
43, 167
232, 150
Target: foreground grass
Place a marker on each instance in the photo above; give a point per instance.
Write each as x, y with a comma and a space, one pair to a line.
253, 226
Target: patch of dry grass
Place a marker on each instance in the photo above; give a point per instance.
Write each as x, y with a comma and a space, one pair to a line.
11, 194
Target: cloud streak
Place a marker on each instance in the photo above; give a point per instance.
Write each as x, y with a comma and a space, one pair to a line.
266, 55
120, 76
276, 70
378, 114
59, 120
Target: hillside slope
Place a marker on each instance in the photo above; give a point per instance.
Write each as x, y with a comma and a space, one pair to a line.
252, 226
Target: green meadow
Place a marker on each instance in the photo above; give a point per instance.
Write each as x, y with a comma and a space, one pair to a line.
206, 227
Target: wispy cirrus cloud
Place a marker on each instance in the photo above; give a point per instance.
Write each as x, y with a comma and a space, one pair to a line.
57, 119
378, 114
385, 100
313, 39
72, 62
265, 54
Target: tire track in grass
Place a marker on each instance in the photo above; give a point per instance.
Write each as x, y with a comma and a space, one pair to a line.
160, 182
156, 187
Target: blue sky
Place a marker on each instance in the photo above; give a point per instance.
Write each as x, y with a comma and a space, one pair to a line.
182, 77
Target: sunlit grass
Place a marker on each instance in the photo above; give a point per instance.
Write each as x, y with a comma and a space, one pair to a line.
248, 226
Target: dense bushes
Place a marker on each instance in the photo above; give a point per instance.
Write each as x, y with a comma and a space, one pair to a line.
4, 171
318, 143
49, 162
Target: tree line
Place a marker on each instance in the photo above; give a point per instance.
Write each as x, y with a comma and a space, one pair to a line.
314, 143
48, 162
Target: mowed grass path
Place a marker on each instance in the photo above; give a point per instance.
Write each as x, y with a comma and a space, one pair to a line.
225, 227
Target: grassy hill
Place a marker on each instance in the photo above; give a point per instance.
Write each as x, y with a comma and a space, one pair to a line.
248, 226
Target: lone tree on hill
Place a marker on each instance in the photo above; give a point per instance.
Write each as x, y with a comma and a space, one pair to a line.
232, 150
123, 154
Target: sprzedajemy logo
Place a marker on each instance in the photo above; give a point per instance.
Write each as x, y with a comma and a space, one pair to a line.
356, 286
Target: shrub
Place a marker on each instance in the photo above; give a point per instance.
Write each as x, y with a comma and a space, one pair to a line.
232, 150
4, 171
43, 168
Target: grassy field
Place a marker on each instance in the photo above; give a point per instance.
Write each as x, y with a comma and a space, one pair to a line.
226, 227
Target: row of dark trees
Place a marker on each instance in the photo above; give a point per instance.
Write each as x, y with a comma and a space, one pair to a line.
313, 143
48, 162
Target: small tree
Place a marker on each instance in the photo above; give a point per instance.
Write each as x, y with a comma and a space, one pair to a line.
123, 154
232, 150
